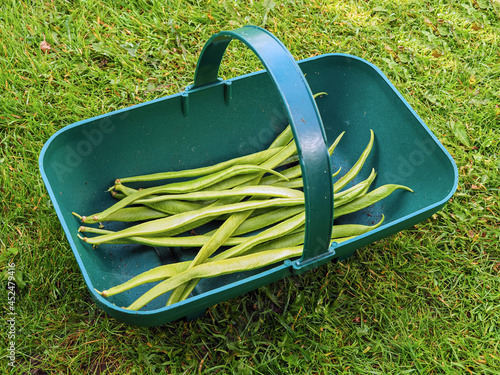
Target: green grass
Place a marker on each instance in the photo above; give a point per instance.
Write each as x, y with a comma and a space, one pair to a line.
426, 300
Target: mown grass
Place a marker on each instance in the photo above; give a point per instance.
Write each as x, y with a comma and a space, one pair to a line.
426, 300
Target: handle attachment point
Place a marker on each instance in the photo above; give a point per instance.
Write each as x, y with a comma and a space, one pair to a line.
185, 104
228, 92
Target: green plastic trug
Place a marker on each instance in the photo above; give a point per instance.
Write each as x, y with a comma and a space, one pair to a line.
215, 120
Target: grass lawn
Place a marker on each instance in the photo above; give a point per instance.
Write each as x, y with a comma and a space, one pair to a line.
425, 301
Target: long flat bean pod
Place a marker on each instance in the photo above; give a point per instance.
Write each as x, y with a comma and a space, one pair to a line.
339, 233
283, 138
179, 187
150, 276
255, 158
164, 241
353, 172
163, 225
170, 207
266, 219
295, 183
354, 192
256, 191
218, 268
141, 213
368, 199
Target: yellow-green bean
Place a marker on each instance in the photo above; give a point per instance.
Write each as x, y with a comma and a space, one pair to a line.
131, 214
168, 207
368, 199
339, 233
217, 268
150, 276
255, 158
354, 192
179, 187
164, 241
164, 225
353, 172
256, 191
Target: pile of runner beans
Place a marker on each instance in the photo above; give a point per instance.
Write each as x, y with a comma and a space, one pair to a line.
257, 201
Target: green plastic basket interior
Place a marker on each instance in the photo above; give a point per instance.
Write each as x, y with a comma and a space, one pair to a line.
215, 120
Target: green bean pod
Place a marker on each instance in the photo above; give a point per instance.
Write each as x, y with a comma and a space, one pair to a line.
289, 173
169, 207
256, 191
216, 268
354, 192
164, 225
368, 199
283, 138
165, 241
331, 149
155, 274
179, 187
339, 233
255, 158
261, 221
287, 135
176, 241
117, 195
353, 172
131, 214
349, 230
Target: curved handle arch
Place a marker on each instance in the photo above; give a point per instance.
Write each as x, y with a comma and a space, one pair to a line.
304, 119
